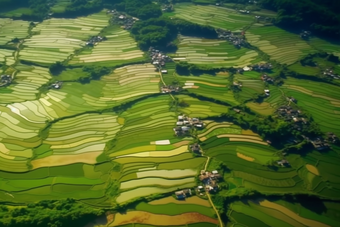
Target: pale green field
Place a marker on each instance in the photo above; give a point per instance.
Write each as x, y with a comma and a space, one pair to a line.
56, 39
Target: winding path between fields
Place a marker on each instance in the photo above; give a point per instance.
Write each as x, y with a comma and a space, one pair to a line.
161, 76
208, 194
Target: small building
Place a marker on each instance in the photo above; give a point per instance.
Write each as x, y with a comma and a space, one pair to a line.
214, 172
180, 118
195, 148
179, 123
164, 71
185, 128
246, 68
122, 17
180, 195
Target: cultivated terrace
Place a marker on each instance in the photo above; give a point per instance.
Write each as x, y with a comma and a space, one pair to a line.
187, 113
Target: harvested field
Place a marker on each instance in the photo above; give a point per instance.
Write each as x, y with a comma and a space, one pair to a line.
250, 159
160, 220
247, 140
190, 200
312, 169
60, 160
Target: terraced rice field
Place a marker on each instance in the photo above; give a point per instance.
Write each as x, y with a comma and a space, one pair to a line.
75, 98
10, 29
28, 81
119, 48
325, 104
215, 87
282, 46
214, 53
5, 56
268, 213
327, 46
200, 108
218, 17
56, 39
160, 219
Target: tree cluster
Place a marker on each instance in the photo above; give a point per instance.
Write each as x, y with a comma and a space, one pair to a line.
185, 68
320, 16
143, 9
61, 213
94, 73
160, 32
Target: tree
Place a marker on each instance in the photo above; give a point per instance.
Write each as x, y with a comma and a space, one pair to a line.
56, 68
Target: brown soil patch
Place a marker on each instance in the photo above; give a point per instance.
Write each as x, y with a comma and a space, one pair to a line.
142, 217
247, 140
191, 200
182, 143
59, 160
247, 158
291, 214
195, 87
312, 169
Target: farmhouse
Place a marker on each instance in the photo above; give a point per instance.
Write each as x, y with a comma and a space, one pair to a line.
267, 78
262, 67
181, 195
305, 35
233, 38
330, 73
320, 144
5, 80
283, 163
195, 148
267, 92
210, 179
332, 137
164, 71
170, 88
56, 85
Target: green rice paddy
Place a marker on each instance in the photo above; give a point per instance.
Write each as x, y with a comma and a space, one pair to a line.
218, 17
215, 53
116, 133
282, 46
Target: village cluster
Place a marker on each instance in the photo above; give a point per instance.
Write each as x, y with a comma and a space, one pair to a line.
209, 184
330, 73
94, 40
290, 114
158, 58
5, 80
235, 38
122, 19
185, 124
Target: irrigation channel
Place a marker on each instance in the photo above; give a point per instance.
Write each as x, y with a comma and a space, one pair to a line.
208, 194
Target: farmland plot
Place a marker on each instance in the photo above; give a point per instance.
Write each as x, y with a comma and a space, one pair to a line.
10, 29
194, 107
5, 56
282, 46
214, 53
278, 213
209, 86
82, 134
123, 84
325, 106
119, 48
27, 83
56, 39
218, 17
